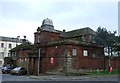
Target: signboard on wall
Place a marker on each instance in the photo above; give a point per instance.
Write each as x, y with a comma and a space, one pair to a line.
51, 60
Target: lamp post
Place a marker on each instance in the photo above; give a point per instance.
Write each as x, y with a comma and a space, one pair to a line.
38, 42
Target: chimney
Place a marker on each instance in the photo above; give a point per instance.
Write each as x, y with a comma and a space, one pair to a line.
64, 30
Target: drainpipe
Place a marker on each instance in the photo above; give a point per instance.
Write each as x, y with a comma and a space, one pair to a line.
38, 61
38, 41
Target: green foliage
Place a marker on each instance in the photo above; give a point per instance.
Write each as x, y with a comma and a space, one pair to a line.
105, 72
107, 39
118, 44
104, 37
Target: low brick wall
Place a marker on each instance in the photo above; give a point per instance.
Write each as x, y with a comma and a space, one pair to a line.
88, 63
77, 64
114, 62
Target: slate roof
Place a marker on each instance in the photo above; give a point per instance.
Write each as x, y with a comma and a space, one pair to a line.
47, 25
68, 37
47, 21
23, 47
78, 32
2, 38
71, 41
48, 28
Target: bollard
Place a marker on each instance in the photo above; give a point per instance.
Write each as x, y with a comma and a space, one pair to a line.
110, 70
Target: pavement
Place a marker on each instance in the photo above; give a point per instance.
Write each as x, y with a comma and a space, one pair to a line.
72, 78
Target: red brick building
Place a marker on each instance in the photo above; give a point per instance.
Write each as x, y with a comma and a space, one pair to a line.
61, 51
72, 50
19, 54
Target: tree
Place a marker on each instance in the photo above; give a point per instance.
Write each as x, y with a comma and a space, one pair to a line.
101, 36
107, 39
117, 45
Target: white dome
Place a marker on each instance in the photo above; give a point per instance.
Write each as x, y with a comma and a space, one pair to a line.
47, 22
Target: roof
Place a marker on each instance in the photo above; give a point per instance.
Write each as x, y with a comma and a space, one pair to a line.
10, 39
72, 42
49, 29
47, 25
23, 47
78, 32
47, 21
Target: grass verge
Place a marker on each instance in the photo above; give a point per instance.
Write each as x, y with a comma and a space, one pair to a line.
105, 72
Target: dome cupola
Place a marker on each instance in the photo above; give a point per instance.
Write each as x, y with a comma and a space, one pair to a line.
47, 25
47, 22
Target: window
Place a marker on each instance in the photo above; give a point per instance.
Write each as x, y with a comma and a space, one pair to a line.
8, 54
85, 53
74, 52
1, 55
56, 47
0, 62
38, 38
2, 45
10, 46
94, 55
83, 38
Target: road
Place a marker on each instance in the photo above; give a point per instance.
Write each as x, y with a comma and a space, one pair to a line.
78, 78
6, 78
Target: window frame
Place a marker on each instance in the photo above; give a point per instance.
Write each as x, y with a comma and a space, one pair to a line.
74, 52
85, 52
10, 45
2, 45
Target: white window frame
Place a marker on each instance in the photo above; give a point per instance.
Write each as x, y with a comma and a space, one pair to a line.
85, 52
74, 52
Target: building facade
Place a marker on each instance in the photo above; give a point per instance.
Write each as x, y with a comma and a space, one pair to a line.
65, 51
6, 44
61, 51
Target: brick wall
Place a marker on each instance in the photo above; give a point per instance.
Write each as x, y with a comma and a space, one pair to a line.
78, 61
88, 63
115, 63
46, 36
77, 64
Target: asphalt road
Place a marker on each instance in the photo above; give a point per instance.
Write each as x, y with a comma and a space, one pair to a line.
7, 78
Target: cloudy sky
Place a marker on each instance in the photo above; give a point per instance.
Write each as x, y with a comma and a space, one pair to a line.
22, 17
